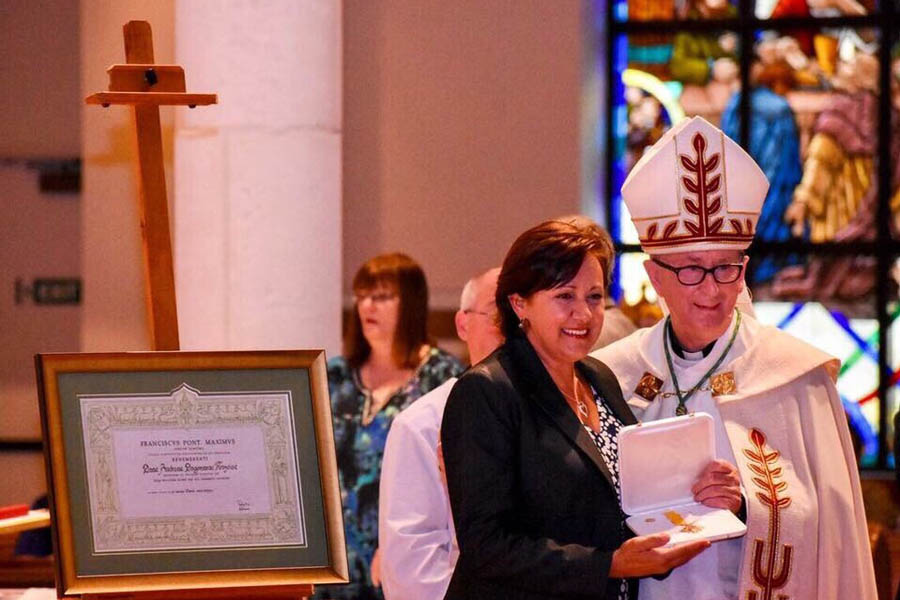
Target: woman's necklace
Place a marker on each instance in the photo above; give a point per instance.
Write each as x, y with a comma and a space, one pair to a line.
581, 409
378, 387
681, 409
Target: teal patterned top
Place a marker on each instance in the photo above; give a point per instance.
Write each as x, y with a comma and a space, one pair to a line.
359, 447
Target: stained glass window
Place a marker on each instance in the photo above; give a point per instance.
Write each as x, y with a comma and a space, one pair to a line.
824, 264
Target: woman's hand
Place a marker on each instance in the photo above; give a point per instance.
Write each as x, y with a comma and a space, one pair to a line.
644, 555
719, 486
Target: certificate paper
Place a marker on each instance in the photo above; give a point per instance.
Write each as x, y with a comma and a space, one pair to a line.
190, 470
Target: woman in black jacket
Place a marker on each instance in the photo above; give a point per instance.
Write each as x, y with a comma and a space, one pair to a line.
529, 438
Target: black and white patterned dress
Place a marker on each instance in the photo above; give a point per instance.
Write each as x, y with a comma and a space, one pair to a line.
607, 443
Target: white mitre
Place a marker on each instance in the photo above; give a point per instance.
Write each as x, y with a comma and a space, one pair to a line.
695, 189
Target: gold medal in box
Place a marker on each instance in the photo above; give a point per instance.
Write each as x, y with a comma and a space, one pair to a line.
659, 461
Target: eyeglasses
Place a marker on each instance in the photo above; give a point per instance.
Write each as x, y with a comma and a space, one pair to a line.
695, 274
376, 297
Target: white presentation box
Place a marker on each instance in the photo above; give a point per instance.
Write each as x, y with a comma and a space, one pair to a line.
659, 461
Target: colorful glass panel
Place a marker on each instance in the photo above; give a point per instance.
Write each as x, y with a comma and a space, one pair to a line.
827, 80
669, 10
780, 9
813, 130
852, 340
660, 79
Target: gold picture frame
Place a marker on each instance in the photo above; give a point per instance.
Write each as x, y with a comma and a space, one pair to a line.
111, 421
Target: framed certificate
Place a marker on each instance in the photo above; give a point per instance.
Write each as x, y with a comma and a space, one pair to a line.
181, 470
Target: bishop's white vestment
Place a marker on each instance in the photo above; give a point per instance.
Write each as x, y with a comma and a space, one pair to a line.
778, 418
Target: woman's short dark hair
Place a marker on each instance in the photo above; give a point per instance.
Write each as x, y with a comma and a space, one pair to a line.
402, 274
547, 256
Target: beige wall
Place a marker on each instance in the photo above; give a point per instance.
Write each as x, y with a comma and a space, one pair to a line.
39, 233
39, 78
461, 129
39, 237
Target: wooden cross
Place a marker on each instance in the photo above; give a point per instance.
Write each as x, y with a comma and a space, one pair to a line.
147, 86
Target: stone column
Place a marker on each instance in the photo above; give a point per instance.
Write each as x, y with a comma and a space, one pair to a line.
257, 223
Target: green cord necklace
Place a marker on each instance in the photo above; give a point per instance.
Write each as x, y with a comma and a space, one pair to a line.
681, 409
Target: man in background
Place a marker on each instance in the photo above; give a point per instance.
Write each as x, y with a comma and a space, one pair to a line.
417, 545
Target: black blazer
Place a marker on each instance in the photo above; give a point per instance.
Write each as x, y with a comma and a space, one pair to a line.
535, 510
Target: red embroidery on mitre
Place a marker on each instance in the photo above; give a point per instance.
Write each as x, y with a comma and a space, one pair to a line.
702, 177
766, 571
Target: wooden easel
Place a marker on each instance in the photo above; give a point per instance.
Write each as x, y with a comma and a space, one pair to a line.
147, 86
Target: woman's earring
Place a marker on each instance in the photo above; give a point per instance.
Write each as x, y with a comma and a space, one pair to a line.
524, 324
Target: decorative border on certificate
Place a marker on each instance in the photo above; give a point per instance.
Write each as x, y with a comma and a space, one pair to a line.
189, 470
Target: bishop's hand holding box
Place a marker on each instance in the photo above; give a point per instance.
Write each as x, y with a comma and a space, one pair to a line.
658, 464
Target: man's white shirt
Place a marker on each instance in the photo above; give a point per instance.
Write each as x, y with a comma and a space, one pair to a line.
416, 539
